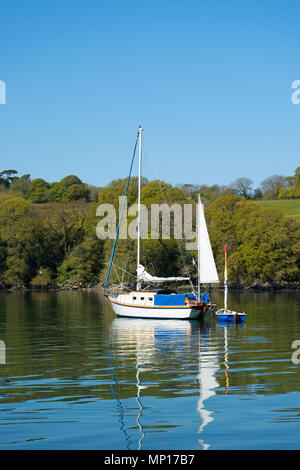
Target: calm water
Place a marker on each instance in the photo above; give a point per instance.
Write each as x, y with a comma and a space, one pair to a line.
77, 377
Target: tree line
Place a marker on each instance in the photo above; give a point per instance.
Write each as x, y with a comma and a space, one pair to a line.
71, 188
48, 233
273, 187
38, 191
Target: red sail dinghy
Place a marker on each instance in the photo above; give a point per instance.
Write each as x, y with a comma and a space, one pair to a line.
224, 314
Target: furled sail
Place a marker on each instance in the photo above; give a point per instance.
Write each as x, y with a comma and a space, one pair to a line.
206, 263
146, 277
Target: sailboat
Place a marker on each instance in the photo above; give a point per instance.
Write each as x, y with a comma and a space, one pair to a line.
224, 314
148, 302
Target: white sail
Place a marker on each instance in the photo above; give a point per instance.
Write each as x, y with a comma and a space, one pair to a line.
146, 277
206, 264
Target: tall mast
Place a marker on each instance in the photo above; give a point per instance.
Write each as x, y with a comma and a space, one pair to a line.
225, 278
138, 285
198, 243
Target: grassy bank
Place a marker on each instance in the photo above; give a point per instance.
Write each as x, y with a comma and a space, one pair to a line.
289, 207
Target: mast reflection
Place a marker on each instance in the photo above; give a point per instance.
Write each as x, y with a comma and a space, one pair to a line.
150, 342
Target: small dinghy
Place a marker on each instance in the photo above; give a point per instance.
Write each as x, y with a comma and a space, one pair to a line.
230, 315
224, 314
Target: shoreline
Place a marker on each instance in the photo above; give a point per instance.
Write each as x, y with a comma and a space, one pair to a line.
254, 287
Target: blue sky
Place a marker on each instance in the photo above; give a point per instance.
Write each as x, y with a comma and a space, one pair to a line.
210, 82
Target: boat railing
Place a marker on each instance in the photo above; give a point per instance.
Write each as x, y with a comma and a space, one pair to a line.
107, 292
114, 290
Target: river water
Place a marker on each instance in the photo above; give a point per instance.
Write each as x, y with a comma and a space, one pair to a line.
73, 376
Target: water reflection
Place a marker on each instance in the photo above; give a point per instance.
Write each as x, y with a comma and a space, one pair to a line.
208, 366
226, 359
77, 377
223, 329
151, 341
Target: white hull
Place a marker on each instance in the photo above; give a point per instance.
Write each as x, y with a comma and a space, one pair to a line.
180, 313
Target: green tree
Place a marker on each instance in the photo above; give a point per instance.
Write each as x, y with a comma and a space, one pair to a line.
58, 190
65, 225
42, 278
12, 209
291, 187
27, 249
39, 191
6, 177
84, 263
110, 194
259, 241
20, 186
158, 191
75, 192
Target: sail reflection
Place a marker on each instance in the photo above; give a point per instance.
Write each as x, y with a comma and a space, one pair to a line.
208, 367
150, 343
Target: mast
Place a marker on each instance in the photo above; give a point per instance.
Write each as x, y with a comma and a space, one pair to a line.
138, 284
225, 278
198, 243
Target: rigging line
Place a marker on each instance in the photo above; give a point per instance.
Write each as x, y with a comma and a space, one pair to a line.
122, 269
117, 273
183, 259
121, 213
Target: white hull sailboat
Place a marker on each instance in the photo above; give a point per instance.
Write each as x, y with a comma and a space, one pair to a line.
124, 306
149, 302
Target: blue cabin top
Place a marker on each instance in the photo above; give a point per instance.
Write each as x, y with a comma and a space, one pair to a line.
177, 299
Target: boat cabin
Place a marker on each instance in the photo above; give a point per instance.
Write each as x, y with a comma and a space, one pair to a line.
158, 298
